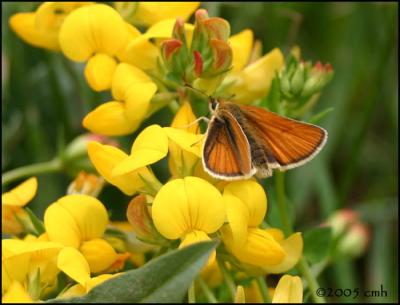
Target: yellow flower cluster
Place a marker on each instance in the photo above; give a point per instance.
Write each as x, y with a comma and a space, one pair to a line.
191, 206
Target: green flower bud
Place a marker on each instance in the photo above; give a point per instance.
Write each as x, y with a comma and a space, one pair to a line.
297, 80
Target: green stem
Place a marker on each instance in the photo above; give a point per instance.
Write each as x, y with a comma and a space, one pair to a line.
207, 291
280, 192
192, 294
302, 265
52, 166
263, 289
311, 280
228, 279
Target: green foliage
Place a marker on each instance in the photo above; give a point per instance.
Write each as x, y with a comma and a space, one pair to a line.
165, 279
317, 243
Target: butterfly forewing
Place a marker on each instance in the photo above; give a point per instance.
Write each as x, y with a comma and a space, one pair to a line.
226, 152
291, 142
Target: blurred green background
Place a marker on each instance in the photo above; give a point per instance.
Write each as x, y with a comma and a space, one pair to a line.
45, 97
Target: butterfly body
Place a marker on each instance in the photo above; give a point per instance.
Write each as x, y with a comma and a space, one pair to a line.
245, 140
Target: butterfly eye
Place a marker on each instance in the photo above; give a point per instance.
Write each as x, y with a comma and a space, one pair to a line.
213, 104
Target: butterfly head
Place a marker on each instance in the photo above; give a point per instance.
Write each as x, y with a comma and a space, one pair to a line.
213, 104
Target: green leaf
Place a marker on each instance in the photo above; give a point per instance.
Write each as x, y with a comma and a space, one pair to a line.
320, 115
37, 223
165, 279
317, 243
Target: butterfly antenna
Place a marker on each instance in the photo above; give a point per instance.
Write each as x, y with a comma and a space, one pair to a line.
197, 90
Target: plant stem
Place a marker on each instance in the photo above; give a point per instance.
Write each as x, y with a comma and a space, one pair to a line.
280, 191
311, 280
192, 294
31, 170
263, 289
207, 291
302, 265
228, 279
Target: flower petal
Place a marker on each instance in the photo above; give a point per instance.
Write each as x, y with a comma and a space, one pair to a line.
150, 146
73, 263
106, 157
99, 71
293, 247
182, 163
241, 45
140, 52
61, 226
93, 282
24, 25
149, 13
99, 254
16, 294
260, 247
50, 15
110, 119
196, 236
125, 76
252, 194
138, 101
87, 219
288, 290
187, 141
238, 216
21, 194
187, 204
90, 29
254, 81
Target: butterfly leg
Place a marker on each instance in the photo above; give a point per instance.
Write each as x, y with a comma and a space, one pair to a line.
202, 118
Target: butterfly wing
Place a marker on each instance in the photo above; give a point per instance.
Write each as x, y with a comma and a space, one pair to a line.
291, 143
226, 151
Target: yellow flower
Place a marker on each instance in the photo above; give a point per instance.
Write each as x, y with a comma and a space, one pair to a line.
130, 172
249, 82
188, 209
94, 33
252, 293
14, 219
142, 53
182, 163
41, 28
150, 146
264, 251
79, 221
21, 261
74, 264
16, 294
132, 90
288, 290
149, 13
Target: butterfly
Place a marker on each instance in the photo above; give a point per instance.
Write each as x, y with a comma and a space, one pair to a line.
242, 141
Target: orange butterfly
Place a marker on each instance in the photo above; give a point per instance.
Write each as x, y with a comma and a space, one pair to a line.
245, 140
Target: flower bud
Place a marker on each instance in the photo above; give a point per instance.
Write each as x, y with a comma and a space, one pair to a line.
352, 235
319, 76
86, 184
207, 57
355, 241
142, 224
170, 49
300, 79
